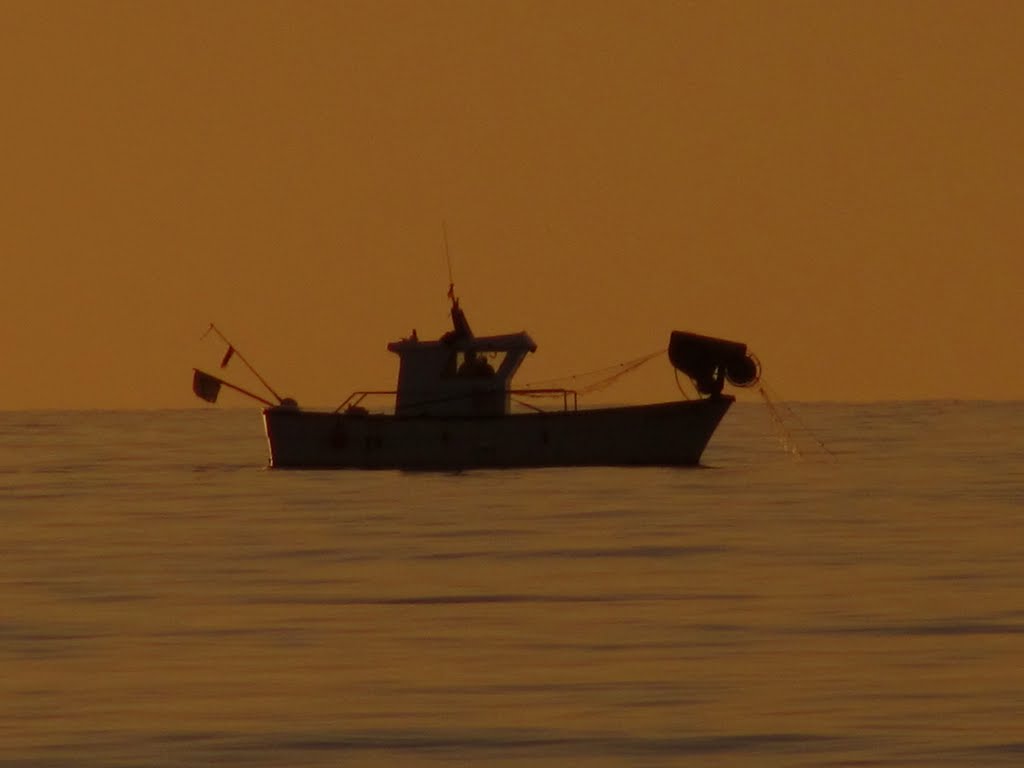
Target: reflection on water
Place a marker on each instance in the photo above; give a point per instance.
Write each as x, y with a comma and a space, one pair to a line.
168, 601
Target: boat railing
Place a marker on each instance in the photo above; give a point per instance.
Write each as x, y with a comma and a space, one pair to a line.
354, 400
565, 393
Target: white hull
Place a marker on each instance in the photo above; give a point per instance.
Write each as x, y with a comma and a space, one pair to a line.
664, 434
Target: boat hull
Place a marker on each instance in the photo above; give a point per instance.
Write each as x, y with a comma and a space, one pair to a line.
662, 434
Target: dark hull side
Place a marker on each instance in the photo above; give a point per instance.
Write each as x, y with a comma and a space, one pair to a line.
663, 434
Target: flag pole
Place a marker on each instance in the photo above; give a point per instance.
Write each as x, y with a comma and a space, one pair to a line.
233, 350
235, 387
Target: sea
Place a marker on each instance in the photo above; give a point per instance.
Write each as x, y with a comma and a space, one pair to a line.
836, 585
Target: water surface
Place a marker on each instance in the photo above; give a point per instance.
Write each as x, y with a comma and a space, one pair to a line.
166, 600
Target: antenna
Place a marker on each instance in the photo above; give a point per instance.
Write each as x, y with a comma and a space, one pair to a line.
448, 259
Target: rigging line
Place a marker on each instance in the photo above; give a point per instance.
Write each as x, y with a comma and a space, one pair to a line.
617, 374
628, 364
609, 380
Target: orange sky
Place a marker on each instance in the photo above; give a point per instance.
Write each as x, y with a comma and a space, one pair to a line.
837, 184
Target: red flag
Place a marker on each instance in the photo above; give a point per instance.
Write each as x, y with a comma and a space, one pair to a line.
227, 357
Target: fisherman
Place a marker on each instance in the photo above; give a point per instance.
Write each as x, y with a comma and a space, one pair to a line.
475, 365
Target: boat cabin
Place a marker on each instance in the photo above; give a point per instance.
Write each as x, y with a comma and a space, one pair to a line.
460, 374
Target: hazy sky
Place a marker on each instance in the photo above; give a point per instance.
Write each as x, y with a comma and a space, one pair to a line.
836, 183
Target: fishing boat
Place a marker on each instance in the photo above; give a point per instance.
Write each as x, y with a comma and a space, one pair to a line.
453, 411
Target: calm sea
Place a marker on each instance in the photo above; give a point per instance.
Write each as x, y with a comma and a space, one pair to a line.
167, 601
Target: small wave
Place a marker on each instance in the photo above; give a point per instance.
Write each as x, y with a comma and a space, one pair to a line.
481, 744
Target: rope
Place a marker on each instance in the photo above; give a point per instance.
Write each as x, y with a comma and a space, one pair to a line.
617, 372
786, 437
679, 384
